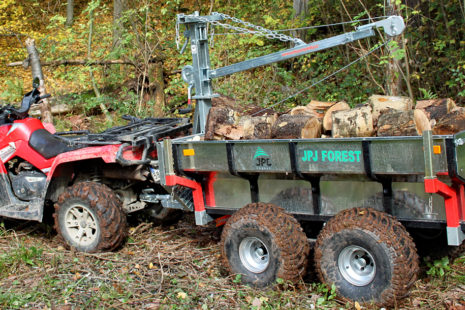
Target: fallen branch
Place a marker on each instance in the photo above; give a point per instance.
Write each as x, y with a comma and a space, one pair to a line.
56, 63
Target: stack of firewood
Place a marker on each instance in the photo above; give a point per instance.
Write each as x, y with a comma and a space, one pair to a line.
380, 116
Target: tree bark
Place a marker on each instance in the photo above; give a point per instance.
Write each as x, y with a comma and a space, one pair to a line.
157, 87
356, 122
451, 123
36, 68
435, 109
69, 13
382, 103
258, 127
402, 123
296, 127
119, 6
394, 76
300, 12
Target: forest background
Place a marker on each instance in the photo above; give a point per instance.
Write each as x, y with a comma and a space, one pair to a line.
121, 56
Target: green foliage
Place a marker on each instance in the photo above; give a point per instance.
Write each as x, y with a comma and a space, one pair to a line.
438, 268
22, 255
13, 92
327, 294
427, 94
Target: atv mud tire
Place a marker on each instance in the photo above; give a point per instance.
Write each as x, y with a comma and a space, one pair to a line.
262, 243
368, 255
90, 218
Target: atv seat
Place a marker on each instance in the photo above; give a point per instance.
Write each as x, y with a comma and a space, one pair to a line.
49, 145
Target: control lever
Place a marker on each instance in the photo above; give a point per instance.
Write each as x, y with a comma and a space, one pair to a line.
189, 101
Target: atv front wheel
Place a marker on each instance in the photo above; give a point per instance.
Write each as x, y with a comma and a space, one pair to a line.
90, 218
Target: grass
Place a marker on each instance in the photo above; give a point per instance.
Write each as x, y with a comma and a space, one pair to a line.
176, 267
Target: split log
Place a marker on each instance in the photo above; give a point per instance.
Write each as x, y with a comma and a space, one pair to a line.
296, 127
382, 103
328, 119
228, 132
451, 123
435, 109
320, 107
356, 122
216, 117
402, 123
258, 127
303, 110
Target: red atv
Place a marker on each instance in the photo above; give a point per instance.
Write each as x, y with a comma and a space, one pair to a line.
92, 180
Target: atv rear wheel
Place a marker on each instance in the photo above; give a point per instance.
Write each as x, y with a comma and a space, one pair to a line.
368, 255
262, 243
90, 218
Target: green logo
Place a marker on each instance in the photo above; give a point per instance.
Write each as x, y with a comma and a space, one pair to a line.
260, 152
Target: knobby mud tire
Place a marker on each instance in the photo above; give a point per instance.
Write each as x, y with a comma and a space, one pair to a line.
279, 231
108, 208
394, 252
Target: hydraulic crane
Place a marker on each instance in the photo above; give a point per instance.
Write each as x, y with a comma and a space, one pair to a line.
199, 75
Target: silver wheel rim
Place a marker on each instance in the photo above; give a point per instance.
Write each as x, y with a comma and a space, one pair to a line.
357, 265
254, 254
81, 225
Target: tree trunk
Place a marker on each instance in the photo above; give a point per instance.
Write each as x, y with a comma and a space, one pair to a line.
402, 123
119, 6
36, 69
69, 13
157, 87
300, 12
394, 76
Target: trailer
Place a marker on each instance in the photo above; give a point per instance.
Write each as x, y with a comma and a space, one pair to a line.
361, 198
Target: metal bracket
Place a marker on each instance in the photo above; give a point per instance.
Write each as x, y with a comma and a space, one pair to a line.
455, 236
392, 26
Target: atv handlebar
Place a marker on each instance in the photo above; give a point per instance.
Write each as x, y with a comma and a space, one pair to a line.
9, 113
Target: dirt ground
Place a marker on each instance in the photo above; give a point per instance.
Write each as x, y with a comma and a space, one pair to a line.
170, 267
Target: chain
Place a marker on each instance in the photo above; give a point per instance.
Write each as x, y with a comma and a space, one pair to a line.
317, 26
259, 30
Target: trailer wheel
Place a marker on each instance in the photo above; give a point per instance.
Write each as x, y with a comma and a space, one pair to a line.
262, 243
368, 255
90, 218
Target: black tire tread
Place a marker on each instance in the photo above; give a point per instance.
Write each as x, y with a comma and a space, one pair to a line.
113, 222
391, 232
288, 236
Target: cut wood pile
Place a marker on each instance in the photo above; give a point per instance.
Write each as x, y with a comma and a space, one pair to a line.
381, 116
